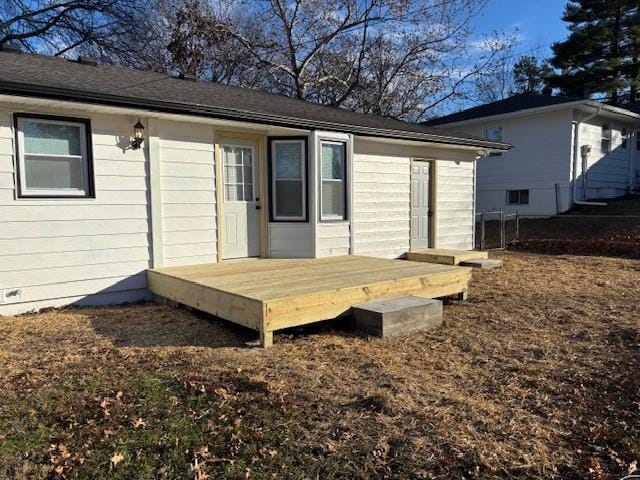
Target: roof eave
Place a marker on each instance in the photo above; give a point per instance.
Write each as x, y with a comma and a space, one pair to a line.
545, 109
21, 89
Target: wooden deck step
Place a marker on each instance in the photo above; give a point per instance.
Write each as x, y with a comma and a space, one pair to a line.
445, 256
398, 316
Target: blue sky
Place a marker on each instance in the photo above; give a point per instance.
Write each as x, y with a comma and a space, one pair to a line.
538, 22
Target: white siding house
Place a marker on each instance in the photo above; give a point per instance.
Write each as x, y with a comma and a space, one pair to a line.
565, 151
84, 213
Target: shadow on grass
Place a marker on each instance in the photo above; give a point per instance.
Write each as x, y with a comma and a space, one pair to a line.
151, 326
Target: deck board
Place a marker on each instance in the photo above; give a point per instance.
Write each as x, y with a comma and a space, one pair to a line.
445, 256
271, 294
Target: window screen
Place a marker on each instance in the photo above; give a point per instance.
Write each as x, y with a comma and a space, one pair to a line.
605, 142
517, 197
494, 134
333, 173
288, 180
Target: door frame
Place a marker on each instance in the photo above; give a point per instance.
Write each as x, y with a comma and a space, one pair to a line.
432, 198
228, 137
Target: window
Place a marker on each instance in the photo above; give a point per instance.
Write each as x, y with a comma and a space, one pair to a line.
625, 138
333, 166
495, 134
54, 158
517, 197
605, 142
238, 173
288, 180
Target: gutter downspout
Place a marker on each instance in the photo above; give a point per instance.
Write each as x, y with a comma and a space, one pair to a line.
631, 137
576, 150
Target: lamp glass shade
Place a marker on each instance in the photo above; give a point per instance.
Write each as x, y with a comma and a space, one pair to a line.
138, 131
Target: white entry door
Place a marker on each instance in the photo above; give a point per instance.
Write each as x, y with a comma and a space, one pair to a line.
240, 209
420, 204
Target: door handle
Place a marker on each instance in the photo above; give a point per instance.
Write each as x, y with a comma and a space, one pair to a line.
258, 207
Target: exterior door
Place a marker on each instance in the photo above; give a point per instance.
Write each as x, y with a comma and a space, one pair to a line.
240, 208
421, 211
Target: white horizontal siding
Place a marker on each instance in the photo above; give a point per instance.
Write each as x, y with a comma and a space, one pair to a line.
187, 182
381, 188
540, 159
381, 197
454, 204
607, 174
59, 251
332, 239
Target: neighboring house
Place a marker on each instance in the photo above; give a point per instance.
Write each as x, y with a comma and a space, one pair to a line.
220, 173
565, 151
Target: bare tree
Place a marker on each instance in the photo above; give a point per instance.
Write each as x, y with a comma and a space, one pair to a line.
117, 30
400, 58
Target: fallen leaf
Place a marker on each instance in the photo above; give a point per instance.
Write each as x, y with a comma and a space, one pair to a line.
116, 459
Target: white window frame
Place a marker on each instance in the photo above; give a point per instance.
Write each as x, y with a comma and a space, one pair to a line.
519, 202
606, 135
253, 173
24, 190
303, 179
343, 181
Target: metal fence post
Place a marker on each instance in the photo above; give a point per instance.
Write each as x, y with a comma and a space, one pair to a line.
502, 231
482, 230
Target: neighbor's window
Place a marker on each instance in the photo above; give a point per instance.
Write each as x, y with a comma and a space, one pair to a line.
53, 157
625, 138
333, 167
288, 180
494, 134
605, 142
517, 197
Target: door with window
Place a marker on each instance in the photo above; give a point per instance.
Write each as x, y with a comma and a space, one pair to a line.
241, 202
421, 208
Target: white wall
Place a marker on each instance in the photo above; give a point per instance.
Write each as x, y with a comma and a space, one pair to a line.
607, 173
454, 204
332, 238
187, 170
381, 197
90, 251
540, 159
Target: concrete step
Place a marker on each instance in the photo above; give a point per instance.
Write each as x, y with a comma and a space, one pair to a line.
481, 263
398, 316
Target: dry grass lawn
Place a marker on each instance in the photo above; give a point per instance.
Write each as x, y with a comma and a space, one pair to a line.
536, 376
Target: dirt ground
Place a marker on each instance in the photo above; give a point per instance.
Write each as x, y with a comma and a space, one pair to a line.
536, 376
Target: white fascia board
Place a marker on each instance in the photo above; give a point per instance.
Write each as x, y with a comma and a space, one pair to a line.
412, 143
578, 105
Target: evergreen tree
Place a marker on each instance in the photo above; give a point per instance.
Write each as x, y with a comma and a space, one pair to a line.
530, 75
601, 54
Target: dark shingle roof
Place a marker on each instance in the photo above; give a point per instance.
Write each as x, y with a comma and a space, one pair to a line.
508, 105
52, 77
633, 106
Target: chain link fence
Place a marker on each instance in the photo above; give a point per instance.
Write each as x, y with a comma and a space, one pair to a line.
495, 229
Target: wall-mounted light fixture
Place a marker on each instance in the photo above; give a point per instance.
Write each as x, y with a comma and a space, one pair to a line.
138, 135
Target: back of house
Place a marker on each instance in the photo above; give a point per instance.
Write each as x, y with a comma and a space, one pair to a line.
106, 172
565, 151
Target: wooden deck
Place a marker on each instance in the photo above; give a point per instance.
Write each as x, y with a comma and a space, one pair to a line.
445, 256
272, 294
